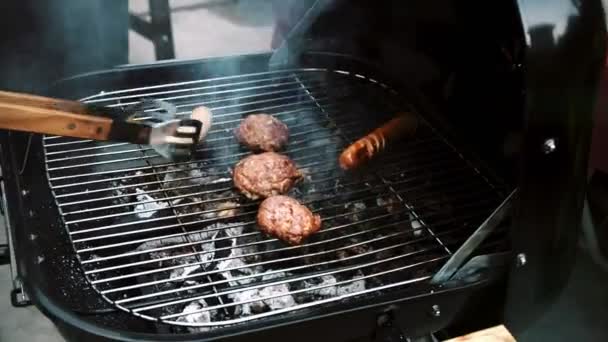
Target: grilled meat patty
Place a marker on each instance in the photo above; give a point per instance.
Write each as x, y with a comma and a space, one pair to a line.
286, 219
265, 174
262, 132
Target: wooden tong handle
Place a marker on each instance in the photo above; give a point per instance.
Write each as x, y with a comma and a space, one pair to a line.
37, 114
364, 149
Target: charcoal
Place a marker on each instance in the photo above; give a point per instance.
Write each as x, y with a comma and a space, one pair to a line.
357, 208
276, 303
350, 288
326, 282
197, 317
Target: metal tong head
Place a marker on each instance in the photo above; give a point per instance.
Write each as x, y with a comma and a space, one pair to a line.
175, 138
170, 137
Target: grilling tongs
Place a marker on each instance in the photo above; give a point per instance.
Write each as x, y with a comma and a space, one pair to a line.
170, 137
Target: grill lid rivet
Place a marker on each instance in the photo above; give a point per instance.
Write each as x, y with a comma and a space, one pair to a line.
436, 310
549, 146
521, 260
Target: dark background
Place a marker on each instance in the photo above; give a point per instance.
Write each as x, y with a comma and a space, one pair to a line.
42, 41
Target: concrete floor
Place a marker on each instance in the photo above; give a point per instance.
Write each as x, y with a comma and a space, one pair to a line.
209, 28
204, 28
22, 324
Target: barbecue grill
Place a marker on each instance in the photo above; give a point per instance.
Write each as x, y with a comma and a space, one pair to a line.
462, 226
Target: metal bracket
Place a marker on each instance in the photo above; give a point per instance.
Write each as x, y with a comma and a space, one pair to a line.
291, 47
158, 29
470, 245
19, 298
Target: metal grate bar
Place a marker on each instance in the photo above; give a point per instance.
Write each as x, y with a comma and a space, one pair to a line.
106, 95
158, 238
220, 175
434, 164
109, 257
85, 156
390, 188
193, 213
159, 270
139, 174
147, 230
314, 287
322, 252
168, 255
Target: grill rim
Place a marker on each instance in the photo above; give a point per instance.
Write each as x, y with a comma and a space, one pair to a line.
294, 74
293, 318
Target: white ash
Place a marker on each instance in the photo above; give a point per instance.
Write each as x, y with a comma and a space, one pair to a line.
276, 303
238, 269
334, 290
389, 203
148, 206
238, 266
306, 173
178, 274
356, 208
247, 309
247, 250
183, 272
194, 174
228, 209
220, 209
171, 175
197, 317
93, 257
176, 240
357, 248
231, 229
190, 283
326, 280
206, 258
235, 230
206, 176
416, 225
353, 287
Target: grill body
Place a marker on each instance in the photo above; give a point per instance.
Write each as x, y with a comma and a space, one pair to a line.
75, 253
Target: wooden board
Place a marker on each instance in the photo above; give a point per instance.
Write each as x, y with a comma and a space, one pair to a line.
495, 334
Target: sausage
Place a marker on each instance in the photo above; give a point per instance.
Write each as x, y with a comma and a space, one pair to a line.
364, 149
204, 115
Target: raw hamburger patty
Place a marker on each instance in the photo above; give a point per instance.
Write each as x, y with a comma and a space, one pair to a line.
262, 132
265, 174
286, 219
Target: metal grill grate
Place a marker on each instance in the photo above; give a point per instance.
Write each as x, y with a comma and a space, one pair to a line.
175, 242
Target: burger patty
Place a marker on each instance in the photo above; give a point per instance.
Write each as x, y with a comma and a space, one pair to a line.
286, 219
262, 132
265, 174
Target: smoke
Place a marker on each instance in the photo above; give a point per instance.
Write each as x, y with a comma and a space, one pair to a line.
43, 41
